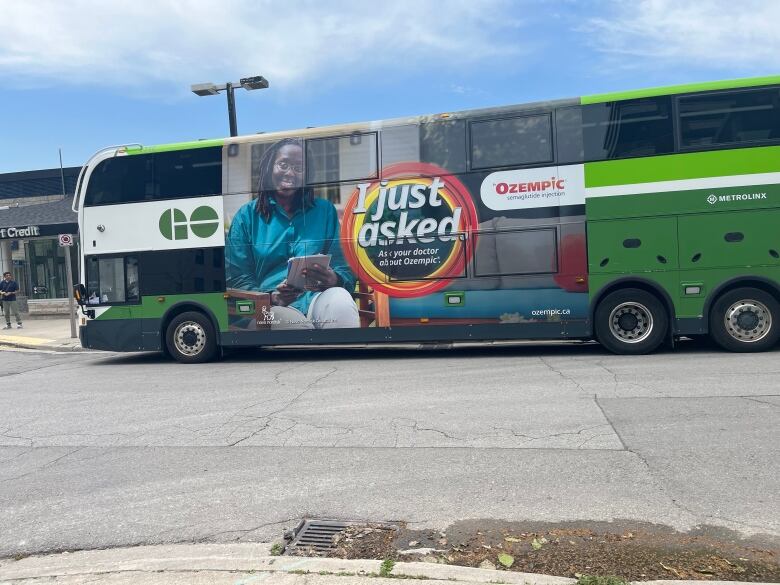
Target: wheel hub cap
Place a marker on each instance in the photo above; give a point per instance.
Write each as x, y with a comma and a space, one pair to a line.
631, 322
748, 320
190, 338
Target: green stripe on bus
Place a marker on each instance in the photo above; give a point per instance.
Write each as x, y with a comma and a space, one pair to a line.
693, 165
175, 146
152, 308
676, 89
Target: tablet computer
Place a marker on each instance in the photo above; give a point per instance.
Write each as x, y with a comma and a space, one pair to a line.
296, 266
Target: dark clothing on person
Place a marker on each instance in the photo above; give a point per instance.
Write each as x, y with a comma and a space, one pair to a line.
9, 287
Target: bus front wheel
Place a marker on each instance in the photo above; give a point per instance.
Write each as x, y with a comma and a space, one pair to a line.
631, 321
745, 319
190, 338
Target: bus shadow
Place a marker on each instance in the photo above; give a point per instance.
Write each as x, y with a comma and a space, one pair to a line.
412, 351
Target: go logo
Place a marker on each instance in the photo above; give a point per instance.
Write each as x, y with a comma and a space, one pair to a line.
204, 223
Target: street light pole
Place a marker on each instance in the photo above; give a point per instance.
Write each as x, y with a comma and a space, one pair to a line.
248, 83
231, 101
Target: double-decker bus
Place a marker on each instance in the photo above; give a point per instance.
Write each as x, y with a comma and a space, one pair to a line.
631, 218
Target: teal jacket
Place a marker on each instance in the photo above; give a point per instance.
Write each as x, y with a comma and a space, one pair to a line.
256, 252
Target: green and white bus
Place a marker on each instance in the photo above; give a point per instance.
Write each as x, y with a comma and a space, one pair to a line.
632, 218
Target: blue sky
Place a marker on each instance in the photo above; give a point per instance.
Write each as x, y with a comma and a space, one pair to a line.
82, 74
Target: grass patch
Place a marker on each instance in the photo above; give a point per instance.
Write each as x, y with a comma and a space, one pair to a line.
277, 549
386, 568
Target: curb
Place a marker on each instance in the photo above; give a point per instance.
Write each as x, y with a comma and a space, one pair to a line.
47, 346
245, 563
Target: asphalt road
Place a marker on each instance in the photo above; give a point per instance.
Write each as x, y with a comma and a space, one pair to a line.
102, 450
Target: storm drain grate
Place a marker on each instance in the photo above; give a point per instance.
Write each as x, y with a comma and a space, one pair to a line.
317, 534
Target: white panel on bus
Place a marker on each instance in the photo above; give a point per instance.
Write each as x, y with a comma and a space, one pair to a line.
531, 188
154, 225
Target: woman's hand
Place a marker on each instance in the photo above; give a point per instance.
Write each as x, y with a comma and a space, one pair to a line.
320, 278
284, 294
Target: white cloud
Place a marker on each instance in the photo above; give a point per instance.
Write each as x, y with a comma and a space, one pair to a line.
293, 43
712, 34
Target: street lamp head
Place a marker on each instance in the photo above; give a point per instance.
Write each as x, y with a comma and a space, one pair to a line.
256, 82
202, 89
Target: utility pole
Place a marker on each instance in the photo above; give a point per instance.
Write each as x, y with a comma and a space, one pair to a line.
68, 267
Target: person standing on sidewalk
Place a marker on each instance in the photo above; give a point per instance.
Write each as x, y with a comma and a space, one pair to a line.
8, 288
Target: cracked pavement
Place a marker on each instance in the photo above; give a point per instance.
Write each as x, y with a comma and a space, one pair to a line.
105, 450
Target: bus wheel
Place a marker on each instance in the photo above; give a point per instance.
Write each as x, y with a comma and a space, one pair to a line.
190, 338
631, 321
745, 319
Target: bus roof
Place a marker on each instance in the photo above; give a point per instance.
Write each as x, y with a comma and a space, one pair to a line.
685, 88
351, 127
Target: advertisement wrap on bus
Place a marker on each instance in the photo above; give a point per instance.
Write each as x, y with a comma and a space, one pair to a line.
424, 248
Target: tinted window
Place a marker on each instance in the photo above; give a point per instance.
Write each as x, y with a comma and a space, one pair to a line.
188, 173
640, 127
344, 158
532, 251
163, 175
443, 143
511, 141
112, 280
167, 272
400, 144
729, 117
568, 135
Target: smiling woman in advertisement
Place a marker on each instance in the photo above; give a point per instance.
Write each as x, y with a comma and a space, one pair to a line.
282, 222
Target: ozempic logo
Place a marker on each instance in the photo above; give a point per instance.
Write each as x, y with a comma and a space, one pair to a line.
203, 222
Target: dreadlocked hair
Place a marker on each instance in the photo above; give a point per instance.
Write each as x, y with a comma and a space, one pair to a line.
265, 187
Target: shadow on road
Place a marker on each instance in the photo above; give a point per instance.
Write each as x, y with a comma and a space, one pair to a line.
394, 352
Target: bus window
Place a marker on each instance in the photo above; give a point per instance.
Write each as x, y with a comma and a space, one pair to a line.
163, 175
641, 127
511, 141
112, 280
568, 135
526, 251
443, 143
343, 158
120, 180
182, 271
729, 117
188, 173
400, 144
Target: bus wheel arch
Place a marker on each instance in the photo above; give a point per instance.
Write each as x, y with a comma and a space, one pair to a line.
203, 325
743, 315
632, 316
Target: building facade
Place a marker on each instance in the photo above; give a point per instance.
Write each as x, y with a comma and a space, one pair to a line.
34, 211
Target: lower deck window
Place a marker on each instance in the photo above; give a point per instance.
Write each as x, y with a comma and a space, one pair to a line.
112, 280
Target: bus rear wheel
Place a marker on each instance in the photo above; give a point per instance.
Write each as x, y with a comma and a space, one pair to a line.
745, 319
190, 338
631, 321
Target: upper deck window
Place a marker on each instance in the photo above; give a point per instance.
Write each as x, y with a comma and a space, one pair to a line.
731, 117
511, 141
163, 175
641, 127
342, 158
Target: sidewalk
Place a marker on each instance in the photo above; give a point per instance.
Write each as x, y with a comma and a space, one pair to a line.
52, 334
244, 564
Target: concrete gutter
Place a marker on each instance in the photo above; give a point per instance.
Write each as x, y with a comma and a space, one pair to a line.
244, 564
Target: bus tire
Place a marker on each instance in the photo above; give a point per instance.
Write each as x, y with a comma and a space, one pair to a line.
745, 319
190, 338
631, 321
